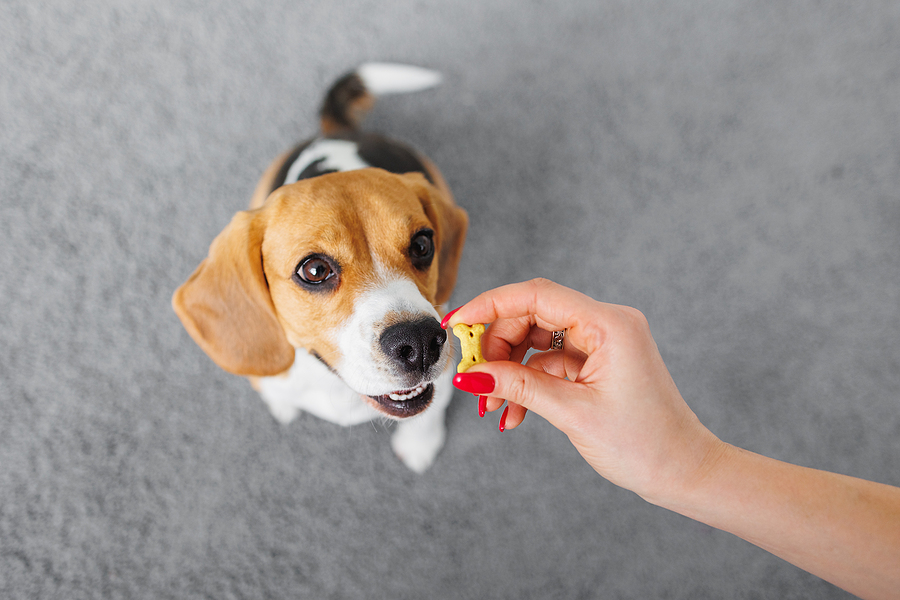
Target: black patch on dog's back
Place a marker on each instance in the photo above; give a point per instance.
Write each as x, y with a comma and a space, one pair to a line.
314, 169
286, 165
389, 155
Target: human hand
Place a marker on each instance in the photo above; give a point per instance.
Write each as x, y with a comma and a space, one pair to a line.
608, 389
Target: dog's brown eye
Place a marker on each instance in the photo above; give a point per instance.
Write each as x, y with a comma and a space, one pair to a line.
421, 249
316, 271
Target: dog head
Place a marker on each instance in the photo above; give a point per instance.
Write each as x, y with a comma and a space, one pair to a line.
349, 266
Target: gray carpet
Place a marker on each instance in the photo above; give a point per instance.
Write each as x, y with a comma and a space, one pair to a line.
730, 168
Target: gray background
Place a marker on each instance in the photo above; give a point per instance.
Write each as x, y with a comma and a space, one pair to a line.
730, 168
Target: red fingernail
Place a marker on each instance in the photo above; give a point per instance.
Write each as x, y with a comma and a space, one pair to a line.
446, 318
474, 383
503, 419
482, 405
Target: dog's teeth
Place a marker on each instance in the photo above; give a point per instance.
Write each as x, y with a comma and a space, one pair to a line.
407, 396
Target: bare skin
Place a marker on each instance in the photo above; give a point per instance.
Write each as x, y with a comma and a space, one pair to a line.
622, 411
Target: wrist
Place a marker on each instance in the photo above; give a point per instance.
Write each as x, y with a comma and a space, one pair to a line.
689, 476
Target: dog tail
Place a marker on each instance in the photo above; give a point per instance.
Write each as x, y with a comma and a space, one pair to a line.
354, 94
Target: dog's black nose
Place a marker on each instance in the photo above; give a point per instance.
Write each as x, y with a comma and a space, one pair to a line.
414, 346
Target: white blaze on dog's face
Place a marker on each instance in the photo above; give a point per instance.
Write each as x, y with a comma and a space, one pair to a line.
353, 266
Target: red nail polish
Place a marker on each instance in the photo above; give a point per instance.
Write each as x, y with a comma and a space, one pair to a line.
482, 405
503, 419
446, 318
474, 383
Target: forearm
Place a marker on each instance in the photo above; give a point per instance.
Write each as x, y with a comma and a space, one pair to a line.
842, 529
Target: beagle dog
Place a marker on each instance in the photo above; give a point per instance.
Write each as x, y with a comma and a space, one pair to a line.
328, 293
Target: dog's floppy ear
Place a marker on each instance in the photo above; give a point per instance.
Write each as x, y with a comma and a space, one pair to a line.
226, 307
451, 222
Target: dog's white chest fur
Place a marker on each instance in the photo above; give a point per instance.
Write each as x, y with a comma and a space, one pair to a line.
310, 386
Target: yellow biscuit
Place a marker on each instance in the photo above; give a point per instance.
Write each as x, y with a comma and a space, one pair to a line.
470, 340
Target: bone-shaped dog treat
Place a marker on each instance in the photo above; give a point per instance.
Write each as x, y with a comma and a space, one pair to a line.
470, 340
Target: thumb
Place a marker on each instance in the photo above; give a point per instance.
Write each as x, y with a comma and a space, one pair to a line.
530, 388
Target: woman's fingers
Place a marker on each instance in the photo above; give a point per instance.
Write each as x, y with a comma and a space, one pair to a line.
512, 416
564, 364
522, 317
539, 302
554, 363
555, 306
520, 385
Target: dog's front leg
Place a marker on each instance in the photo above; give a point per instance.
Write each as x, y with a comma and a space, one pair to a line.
418, 440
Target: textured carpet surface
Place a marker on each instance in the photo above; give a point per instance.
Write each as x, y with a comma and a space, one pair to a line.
730, 168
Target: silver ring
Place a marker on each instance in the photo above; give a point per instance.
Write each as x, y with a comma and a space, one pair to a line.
557, 339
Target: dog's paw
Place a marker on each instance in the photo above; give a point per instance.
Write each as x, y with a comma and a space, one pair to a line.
417, 447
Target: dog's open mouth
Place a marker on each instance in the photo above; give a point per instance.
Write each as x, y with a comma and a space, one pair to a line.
406, 403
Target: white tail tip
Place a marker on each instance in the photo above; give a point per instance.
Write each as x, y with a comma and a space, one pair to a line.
393, 78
